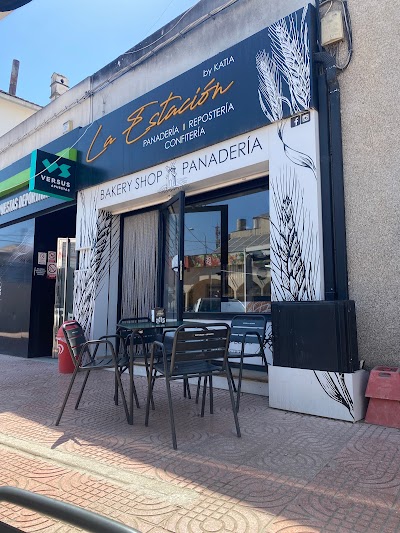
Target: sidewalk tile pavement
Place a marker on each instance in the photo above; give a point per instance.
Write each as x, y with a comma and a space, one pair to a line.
289, 473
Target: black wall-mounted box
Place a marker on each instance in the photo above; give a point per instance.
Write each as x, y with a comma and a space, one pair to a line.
318, 335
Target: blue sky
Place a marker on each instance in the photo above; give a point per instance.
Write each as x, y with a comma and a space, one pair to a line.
74, 38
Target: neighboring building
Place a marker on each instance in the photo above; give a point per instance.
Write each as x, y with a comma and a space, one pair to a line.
13, 111
208, 178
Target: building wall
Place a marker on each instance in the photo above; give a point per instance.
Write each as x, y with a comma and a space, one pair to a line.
13, 111
45, 125
371, 132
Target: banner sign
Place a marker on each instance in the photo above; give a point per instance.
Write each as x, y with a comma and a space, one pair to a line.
16, 201
52, 175
244, 151
263, 79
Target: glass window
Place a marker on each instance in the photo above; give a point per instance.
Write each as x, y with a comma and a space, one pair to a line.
227, 260
16, 265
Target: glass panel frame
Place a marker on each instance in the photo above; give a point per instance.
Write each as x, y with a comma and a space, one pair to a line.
249, 242
172, 256
214, 259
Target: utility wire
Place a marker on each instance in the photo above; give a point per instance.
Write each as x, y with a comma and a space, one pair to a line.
185, 30
164, 34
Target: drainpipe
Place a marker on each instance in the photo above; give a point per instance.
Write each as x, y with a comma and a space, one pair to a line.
332, 183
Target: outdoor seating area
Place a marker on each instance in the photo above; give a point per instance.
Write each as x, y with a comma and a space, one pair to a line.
173, 351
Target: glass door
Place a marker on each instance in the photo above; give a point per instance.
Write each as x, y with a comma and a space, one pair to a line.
64, 290
172, 228
206, 258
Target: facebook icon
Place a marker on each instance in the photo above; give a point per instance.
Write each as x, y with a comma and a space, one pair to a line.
300, 119
295, 121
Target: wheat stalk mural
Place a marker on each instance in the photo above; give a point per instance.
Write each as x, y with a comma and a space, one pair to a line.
99, 239
269, 87
291, 54
294, 261
289, 68
335, 387
298, 158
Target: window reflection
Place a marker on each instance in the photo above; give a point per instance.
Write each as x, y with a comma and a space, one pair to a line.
227, 254
248, 273
203, 259
16, 264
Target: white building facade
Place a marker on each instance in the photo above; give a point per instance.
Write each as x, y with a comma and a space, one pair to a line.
199, 185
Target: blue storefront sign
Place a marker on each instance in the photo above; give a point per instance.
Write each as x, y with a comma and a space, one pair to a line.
18, 201
263, 79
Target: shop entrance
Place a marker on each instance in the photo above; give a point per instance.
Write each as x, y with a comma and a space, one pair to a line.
54, 233
152, 260
199, 256
139, 281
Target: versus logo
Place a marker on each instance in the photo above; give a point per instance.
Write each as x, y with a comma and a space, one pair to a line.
52, 167
52, 175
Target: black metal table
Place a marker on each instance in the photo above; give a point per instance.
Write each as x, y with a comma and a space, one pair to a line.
140, 327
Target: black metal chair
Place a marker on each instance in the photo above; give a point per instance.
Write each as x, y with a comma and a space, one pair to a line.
194, 348
85, 356
167, 338
247, 340
61, 511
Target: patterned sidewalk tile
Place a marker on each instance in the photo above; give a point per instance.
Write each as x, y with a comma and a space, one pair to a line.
121, 504
289, 473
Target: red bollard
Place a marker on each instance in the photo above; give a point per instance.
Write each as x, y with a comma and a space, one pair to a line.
65, 362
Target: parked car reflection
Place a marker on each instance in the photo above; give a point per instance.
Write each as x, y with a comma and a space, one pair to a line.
211, 305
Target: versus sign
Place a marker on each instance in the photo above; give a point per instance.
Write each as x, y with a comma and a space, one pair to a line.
52, 175
263, 79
